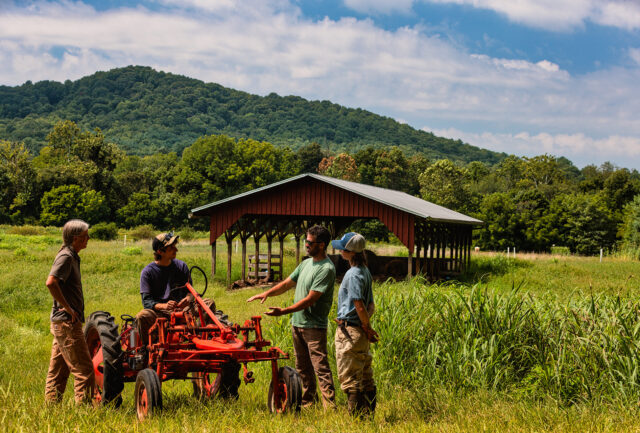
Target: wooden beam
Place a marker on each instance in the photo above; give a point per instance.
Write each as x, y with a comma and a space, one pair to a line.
297, 238
213, 260
432, 239
229, 253
256, 267
244, 259
418, 233
269, 258
281, 240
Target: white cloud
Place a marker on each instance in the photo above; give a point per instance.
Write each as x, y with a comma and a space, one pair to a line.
620, 13
555, 15
402, 74
634, 53
582, 150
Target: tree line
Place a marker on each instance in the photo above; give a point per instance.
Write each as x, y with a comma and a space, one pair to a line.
527, 203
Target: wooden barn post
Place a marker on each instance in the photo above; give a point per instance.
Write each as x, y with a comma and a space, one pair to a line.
229, 240
213, 259
256, 269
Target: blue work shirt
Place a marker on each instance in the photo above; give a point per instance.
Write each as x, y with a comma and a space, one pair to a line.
356, 285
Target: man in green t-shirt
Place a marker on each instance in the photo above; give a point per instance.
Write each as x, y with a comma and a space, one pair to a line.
313, 279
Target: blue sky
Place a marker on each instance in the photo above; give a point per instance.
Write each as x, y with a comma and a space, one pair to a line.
525, 77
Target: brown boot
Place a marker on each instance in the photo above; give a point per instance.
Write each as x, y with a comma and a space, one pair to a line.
370, 400
354, 402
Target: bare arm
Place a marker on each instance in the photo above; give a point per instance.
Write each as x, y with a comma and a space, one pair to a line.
363, 315
53, 284
371, 308
276, 290
303, 303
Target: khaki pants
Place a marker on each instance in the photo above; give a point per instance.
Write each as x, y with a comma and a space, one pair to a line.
353, 359
69, 354
310, 347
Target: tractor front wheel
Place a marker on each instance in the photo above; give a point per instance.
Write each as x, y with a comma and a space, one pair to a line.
290, 392
103, 341
148, 393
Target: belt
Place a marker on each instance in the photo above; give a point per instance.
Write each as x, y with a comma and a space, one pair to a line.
347, 323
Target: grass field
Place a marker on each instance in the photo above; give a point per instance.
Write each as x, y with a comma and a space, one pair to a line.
537, 343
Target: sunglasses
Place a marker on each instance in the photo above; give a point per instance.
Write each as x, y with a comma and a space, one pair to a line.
168, 236
307, 241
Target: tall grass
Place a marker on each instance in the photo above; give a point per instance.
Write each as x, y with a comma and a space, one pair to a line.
469, 339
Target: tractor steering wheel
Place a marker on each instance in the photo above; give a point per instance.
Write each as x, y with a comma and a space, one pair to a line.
206, 283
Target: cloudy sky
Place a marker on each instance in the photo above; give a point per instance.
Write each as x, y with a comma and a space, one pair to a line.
521, 76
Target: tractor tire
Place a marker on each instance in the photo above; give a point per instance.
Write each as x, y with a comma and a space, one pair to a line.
101, 333
222, 385
290, 392
148, 394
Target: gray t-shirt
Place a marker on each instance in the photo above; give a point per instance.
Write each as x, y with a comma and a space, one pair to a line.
356, 285
66, 268
320, 277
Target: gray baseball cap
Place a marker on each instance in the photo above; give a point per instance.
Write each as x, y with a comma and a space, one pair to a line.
350, 242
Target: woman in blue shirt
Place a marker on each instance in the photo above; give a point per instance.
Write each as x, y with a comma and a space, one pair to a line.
354, 333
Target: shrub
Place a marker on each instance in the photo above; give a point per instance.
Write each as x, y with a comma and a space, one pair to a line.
142, 232
27, 230
132, 251
187, 234
104, 231
560, 251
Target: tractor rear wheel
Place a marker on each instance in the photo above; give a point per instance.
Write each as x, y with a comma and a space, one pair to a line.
103, 341
223, 385
290, 387
148, 393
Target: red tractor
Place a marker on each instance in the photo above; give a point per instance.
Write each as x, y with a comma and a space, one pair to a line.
201, 348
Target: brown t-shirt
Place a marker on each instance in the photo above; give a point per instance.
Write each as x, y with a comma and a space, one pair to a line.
66, 268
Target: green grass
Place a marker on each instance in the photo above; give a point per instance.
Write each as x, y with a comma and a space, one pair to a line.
539, 343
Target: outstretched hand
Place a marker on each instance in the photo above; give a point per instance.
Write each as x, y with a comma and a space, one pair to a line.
275, 311
262, 296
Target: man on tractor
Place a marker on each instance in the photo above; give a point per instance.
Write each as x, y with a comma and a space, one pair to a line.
313, 280
162, 286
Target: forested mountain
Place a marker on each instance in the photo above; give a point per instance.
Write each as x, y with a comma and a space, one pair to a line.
146, 112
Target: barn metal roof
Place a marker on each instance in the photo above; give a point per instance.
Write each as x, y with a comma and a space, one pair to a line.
396, 199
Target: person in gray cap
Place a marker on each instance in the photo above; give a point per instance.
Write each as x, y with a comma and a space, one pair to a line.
354, 333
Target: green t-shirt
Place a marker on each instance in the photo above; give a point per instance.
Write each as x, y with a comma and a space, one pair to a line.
319, 276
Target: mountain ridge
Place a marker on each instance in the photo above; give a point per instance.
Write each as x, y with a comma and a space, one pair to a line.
146, 111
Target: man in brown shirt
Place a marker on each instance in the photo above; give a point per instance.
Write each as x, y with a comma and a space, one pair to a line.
69, 352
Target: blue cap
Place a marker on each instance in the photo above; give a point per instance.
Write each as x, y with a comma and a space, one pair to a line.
350, 242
